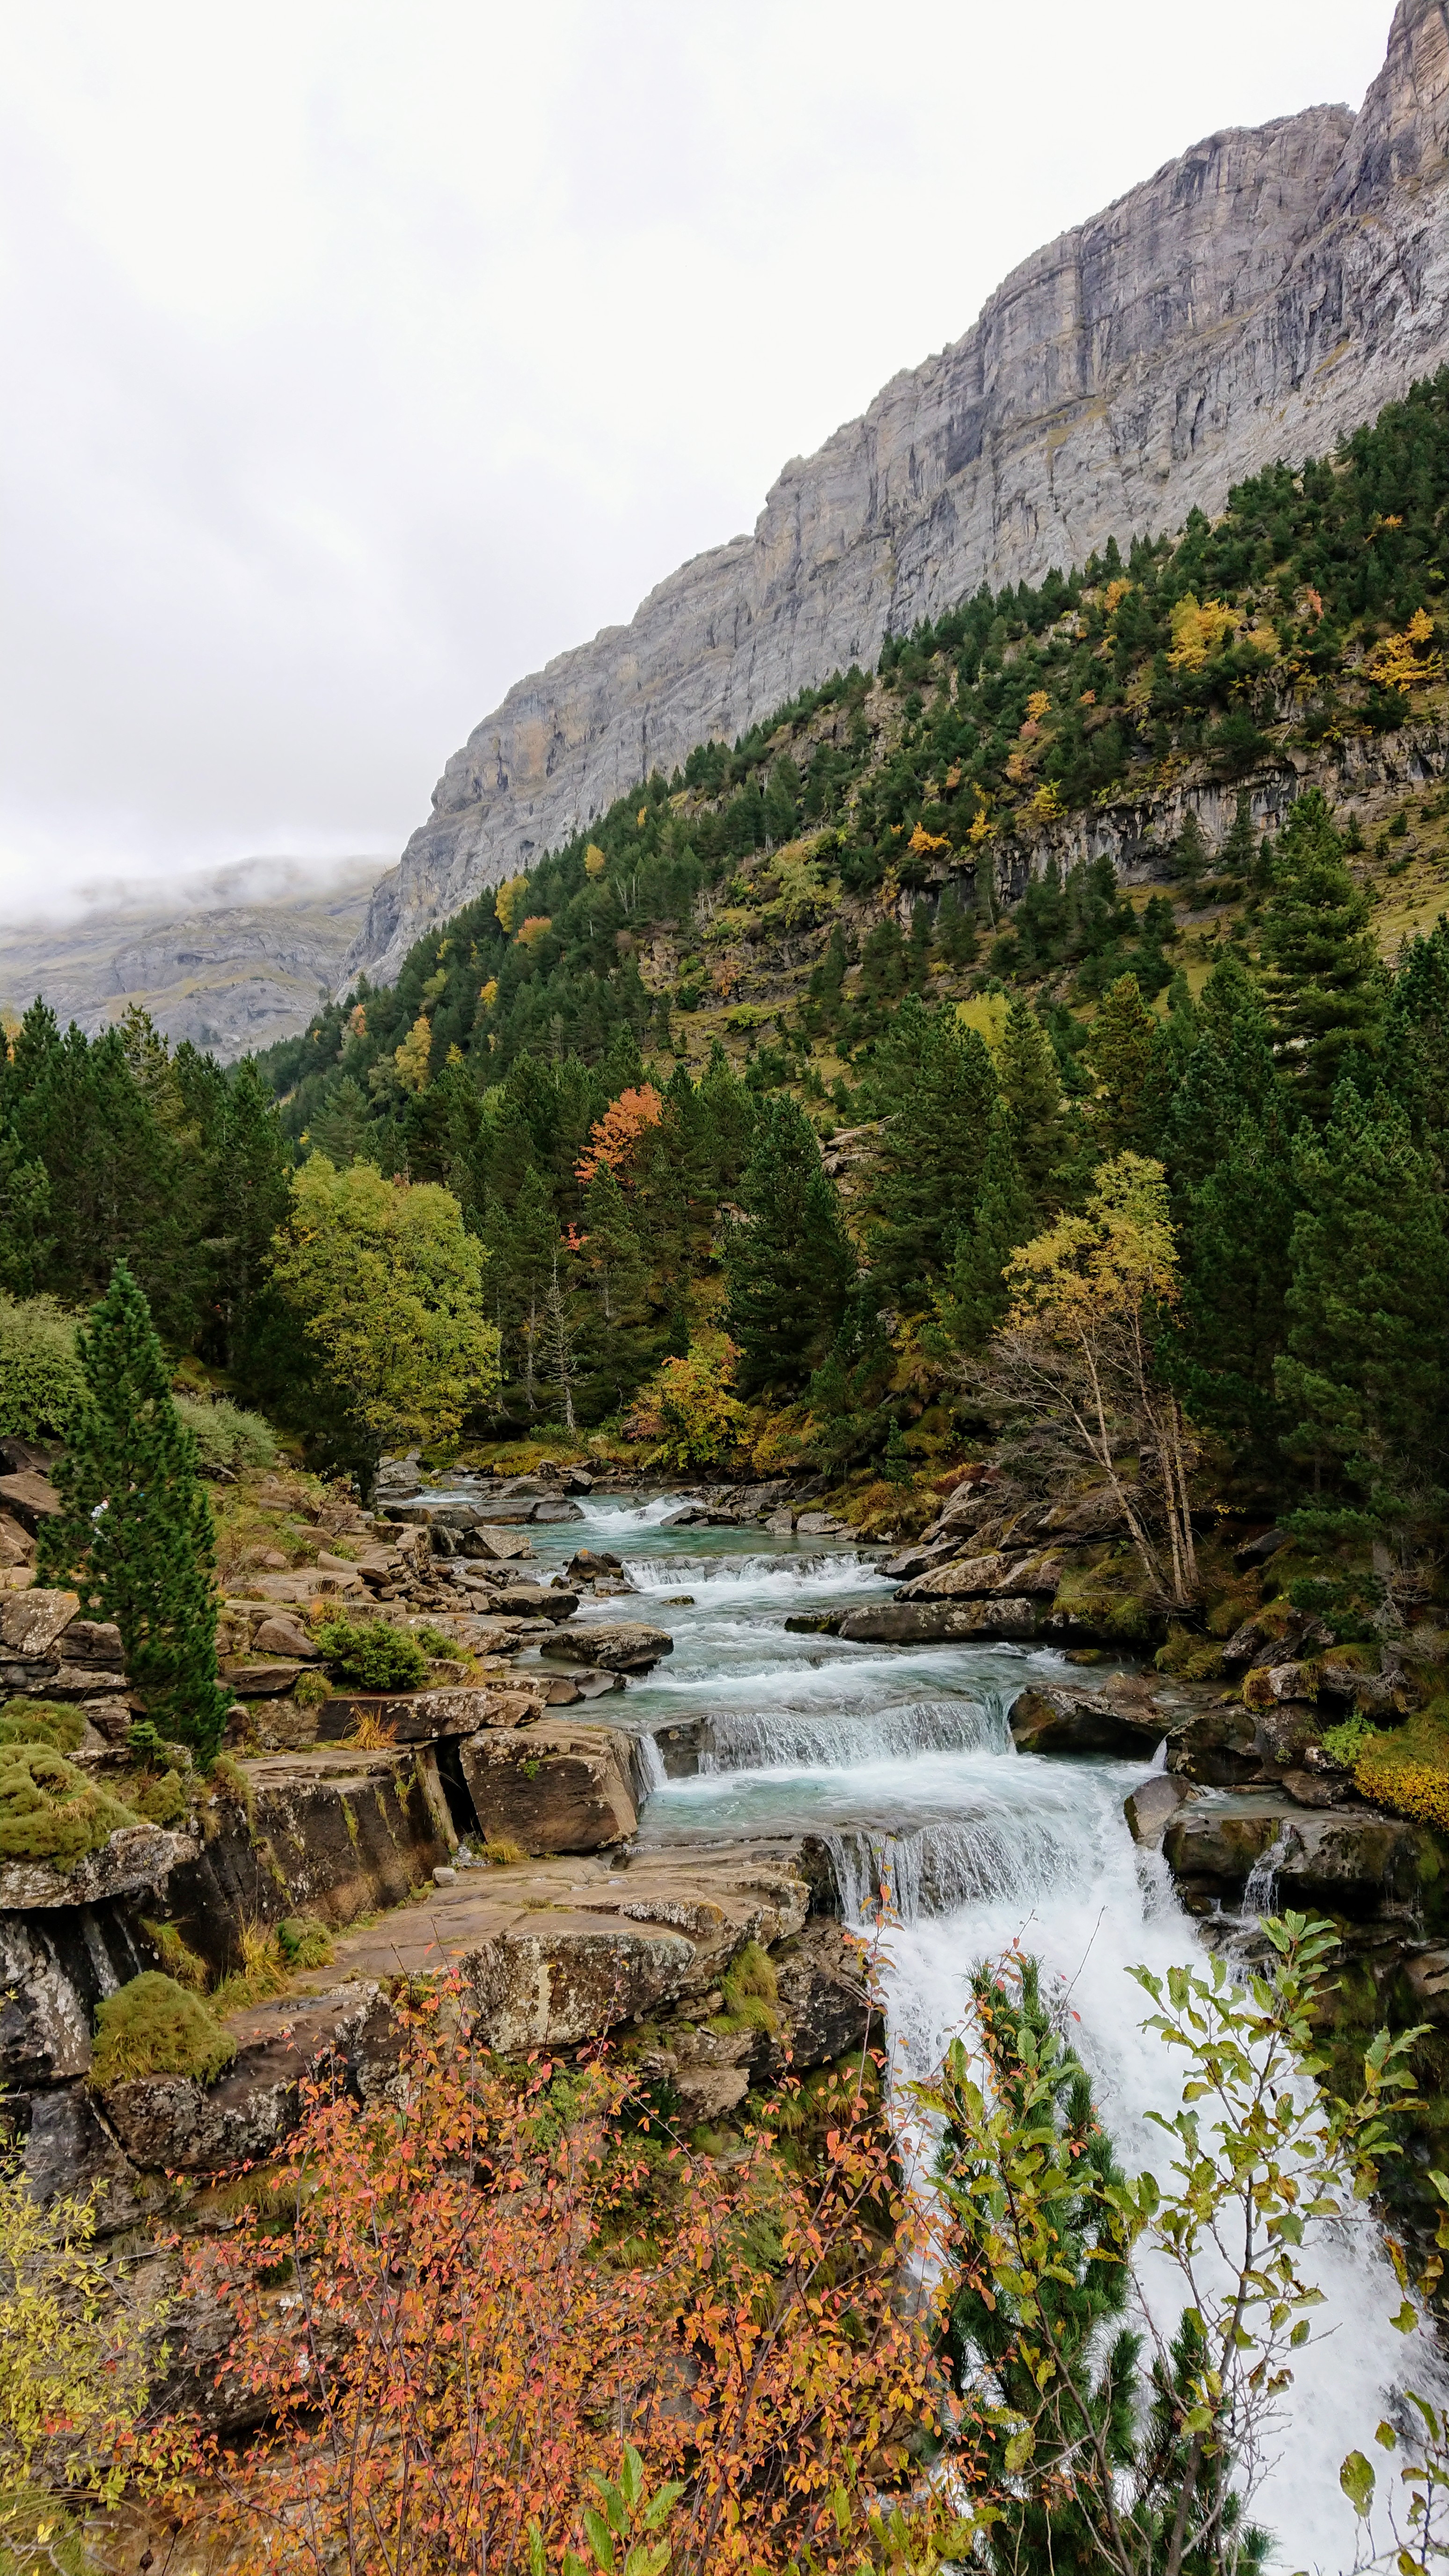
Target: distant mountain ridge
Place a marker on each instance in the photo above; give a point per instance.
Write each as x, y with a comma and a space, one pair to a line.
233, 962
1257, 297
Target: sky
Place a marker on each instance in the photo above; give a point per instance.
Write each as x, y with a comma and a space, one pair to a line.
364, 354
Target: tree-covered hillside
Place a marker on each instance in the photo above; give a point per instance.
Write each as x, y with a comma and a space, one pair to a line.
751, 1093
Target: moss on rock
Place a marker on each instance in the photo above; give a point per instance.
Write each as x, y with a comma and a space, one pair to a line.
41, 1721
154, 2027
50, 1811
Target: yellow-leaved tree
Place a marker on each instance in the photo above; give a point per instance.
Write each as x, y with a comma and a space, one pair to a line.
388, 1286
1075, 1369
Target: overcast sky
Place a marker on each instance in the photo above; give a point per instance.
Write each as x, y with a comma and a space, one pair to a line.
359, 357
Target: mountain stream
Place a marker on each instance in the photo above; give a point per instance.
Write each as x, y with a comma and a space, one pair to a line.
901, 1759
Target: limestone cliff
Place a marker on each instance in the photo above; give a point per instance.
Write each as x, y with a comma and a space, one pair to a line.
1253, 299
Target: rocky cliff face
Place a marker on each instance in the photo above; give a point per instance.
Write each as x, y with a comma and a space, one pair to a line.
1253, 299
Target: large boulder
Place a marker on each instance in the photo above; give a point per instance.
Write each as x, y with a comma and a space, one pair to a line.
977, 1576
1350, 1860
927, 1623
29, 1498
551, 1787
426, 1716
617, 1646
1150, 1810
32, 1623
1217, 1747
1062, 1720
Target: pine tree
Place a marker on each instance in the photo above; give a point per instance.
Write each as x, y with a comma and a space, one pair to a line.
1365, 1380
135, 1527
1120, 1051
928, 1168
1229, 1075
973, 1296
1235, 1228
896, 1461
1239, 851
1324, 985
956, 936
790, 1265
1416, 1040
1031, 1091
1188, 856
341, 1129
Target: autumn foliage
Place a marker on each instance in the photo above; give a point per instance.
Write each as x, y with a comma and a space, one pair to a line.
614, 1137
481, 2289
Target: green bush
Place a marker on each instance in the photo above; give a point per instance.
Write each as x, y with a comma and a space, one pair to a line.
160, 1796
304, 1942
50, 1811
41, 1386
225, 1436
41, 1721
154, 2027
372, 1656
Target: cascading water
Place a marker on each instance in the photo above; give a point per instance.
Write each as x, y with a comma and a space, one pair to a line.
901, 1759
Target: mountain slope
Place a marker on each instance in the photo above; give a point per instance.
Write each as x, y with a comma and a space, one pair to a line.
1255, 298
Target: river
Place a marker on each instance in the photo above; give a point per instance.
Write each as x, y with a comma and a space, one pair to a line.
902, 1759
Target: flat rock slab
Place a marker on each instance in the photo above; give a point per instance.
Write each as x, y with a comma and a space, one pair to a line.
977, 1577
556, 1951
30, 1498
1062, 1720
137, 1856
423, 1717
619, 1645
927, 1623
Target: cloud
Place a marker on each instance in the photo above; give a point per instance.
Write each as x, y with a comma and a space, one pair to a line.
368, 355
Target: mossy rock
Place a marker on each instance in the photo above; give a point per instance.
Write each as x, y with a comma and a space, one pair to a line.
154, 2027
160, 1796
50, 1811
41, 1721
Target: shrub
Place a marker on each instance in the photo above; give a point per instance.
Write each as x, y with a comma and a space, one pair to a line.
1188, 1658
160, 1796
304, 1942
372, 1655
154, 2027
176, 1955
226, 1437
50, 1811
41, 1721
1349, 1739
41, 1386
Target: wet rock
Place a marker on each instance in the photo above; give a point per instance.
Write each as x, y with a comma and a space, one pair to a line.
920, 1556
1075, 1721
1218, 1748
1150, 1809
1349, 1860
678, 1745
921, 1623
1427, 1977
1282, 1735
559, 1511
136, 1856
553, 1787
67, 2149
781, 1523
824, 1999
820, 1525
588, 1563
815, 1623
172, 2124
1316, 1788
621, 1646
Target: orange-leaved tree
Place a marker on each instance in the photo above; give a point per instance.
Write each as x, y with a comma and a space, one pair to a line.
614, 1137
494, 2280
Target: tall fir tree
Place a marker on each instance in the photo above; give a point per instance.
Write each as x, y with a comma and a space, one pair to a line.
972, 1298
1365, 1377
1324, 985
1235, 1225
1120, 1051
1229, 1075
135, 1528
928, 1164
1238, 855
790, 1264
1031, 1093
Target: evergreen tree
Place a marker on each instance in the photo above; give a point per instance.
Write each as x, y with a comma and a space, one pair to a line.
249, 1177
1416, 1041
1239, 852
1031, 1092
973, 1297
1321, 973
1229, 1075
955, 930
790, 1264
1365, 1379
1235, 1228
1188, 856
342, 1129
928, 1167
135, 1527
1120, 1050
